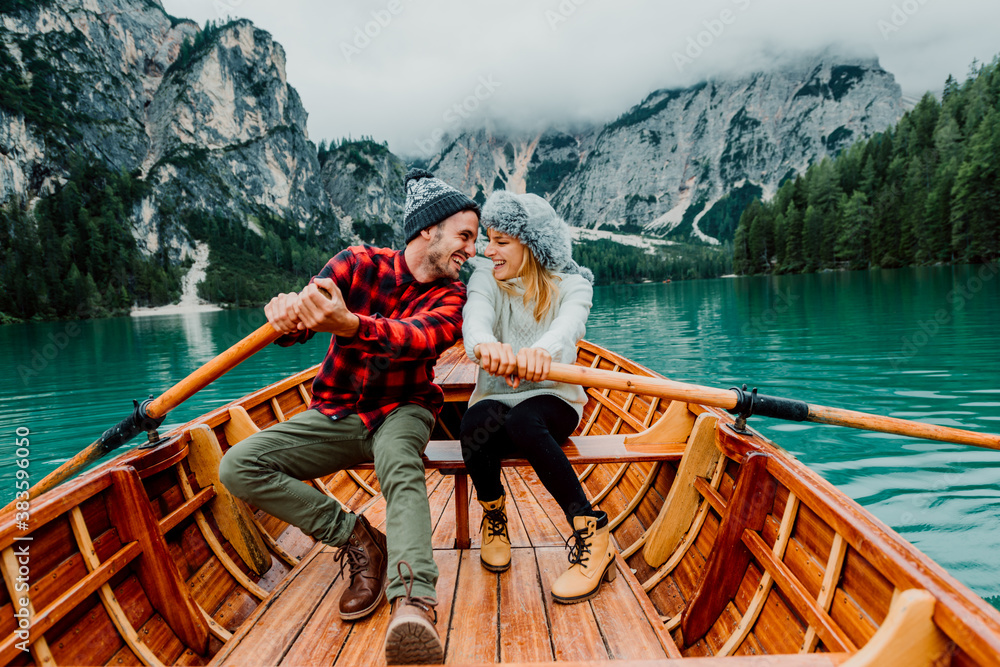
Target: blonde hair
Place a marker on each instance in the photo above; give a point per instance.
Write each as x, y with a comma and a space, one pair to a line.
539, 285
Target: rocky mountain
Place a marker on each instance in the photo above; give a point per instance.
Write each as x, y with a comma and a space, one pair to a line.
227, 133
363, 181
489, 158
78, 76
141, 140
661, 167
204, 117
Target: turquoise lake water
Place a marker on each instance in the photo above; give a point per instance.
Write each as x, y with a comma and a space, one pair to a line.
919, 344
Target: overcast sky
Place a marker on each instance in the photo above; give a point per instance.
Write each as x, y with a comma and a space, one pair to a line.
396, 69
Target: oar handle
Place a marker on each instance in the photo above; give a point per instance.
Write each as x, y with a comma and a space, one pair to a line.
736, 401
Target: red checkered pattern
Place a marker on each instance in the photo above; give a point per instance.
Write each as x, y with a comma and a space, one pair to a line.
405, 326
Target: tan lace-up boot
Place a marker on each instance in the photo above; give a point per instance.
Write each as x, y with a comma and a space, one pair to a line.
495, 550
592, 559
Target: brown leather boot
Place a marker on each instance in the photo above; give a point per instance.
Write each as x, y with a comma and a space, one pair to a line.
365, 553
412, 637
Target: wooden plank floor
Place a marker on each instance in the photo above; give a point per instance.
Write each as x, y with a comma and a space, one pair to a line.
484, 617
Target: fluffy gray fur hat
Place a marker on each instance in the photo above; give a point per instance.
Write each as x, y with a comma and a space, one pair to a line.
534, 222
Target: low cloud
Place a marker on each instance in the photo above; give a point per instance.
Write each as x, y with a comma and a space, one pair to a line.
393, 69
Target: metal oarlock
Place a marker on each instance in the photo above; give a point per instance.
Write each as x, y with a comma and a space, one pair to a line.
750, 403
743, 409
131, 426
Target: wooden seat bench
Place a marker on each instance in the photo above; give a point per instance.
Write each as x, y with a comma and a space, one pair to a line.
446, 457
663, 441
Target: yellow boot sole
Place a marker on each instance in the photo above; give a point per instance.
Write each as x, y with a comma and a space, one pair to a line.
494, 568
610, 572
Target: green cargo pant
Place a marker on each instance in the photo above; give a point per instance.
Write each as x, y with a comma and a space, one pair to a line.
265, 470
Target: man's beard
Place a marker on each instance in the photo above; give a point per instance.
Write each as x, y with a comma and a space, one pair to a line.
439, 260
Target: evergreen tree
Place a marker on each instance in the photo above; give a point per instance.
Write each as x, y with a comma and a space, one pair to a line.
761, 241
950, 88
852, 244
794, 226
741, 243
925, 191
935, 237
813, 225
976, 195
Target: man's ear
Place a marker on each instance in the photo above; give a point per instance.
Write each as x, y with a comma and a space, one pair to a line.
426, 233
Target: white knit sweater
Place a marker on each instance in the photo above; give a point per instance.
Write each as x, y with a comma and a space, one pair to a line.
492, 316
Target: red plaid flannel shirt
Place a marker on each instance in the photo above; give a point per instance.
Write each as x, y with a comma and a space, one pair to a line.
405, 326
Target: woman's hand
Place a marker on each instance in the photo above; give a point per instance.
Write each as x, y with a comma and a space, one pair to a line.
497, 359
533, 364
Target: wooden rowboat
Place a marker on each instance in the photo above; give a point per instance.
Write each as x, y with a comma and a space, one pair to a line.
731, 552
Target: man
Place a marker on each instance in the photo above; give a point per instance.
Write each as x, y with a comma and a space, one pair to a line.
392, 314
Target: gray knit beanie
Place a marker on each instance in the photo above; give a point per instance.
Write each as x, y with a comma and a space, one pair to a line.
534, 222
430, 200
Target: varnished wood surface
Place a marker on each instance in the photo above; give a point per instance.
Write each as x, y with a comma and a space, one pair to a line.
483, 617
155, 568
729, 558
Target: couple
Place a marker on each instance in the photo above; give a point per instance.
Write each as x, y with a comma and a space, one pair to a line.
391, 315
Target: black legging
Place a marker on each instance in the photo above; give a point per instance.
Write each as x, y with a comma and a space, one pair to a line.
533, 428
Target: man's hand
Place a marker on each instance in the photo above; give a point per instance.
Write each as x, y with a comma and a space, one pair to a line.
533, 363
325, 312
281, 314
498, 359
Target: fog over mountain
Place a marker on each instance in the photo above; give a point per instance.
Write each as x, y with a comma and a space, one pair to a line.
574, 60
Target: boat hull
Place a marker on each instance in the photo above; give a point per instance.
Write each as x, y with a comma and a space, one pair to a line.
729, 547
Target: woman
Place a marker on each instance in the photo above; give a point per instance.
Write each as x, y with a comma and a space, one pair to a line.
526, 309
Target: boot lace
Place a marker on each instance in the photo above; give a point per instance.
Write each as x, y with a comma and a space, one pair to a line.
425, 603
351, 557
579, 551
498, 522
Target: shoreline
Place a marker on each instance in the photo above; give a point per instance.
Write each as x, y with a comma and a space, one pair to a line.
176, 309
204, 307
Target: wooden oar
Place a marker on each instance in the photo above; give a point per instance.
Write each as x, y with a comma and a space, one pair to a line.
738, 401
149, 414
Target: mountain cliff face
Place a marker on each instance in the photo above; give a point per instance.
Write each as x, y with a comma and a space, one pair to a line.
663, 165
79, 76
205, 117
487, 159
363, 182
227, 133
